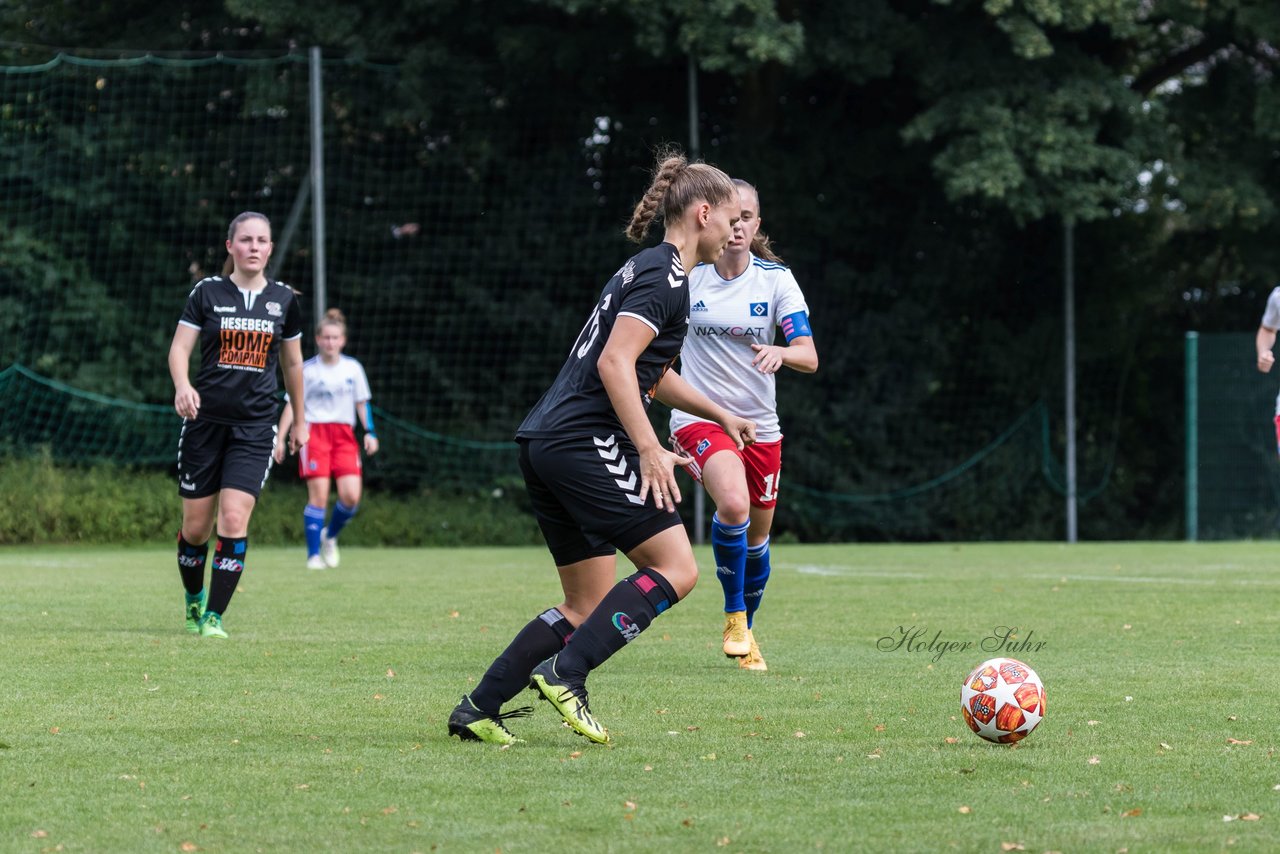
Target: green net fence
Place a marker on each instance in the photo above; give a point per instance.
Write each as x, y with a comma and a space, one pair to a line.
1237, 474
465, 244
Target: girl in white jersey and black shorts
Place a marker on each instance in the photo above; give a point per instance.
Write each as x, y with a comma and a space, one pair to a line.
247, 325
599, 478
337, 394
738, 305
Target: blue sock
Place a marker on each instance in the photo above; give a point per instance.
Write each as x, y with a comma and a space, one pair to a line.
757, 577
339, 518
312, 522
729, 545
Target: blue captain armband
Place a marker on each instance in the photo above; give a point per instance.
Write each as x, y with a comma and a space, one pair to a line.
795, 326
368, 420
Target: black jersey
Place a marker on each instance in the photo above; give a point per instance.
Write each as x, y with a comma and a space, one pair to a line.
240, 335
651, 287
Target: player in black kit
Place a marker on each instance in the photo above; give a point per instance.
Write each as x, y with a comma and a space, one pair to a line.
246, 324
591, 459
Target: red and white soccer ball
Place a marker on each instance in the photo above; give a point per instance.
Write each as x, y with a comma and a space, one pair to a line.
1002, 700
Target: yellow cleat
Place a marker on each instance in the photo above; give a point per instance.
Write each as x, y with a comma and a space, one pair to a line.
568, 699
753, 660
736, 644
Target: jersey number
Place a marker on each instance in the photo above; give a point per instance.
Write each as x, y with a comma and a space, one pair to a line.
771, 486
592, 329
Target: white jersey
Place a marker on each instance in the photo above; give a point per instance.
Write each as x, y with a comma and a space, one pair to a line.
332, 392
1271, 320
727, 316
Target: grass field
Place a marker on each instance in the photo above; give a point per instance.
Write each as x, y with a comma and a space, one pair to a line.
320, 724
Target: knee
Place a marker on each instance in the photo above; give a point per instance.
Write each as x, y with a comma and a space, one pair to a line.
233, 522
734, 510
682, 577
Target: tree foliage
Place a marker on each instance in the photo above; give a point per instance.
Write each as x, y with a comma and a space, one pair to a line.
917, 161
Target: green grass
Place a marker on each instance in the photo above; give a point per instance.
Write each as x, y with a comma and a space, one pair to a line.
320, 724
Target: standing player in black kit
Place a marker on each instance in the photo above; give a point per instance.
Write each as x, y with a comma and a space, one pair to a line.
246, 325
590, 459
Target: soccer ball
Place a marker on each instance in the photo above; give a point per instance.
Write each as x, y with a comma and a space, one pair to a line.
1002, 700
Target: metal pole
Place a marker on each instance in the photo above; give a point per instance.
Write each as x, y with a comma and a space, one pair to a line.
281, 250
319, 291
699, 496
1193, 436
1069, 319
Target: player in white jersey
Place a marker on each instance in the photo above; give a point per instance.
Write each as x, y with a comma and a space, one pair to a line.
336, 394
1265, 341
737, 306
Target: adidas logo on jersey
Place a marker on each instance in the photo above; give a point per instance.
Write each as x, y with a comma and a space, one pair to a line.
699, 306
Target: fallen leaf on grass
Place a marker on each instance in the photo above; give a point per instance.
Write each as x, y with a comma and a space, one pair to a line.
1238, 741
379, 697
629, 805
951, 739
799, 734
722, 841
964, 810
189, 846
39, 834
1094, 723
391, 674
1012, 846
1093, 760
1165, 746
1136, 811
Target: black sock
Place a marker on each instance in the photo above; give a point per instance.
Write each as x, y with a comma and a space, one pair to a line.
625, 612
543, 637
228, 566
191, 559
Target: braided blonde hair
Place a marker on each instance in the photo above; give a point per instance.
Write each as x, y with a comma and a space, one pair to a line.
676, 184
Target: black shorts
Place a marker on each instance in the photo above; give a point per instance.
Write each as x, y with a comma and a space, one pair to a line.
213, 457
586, 495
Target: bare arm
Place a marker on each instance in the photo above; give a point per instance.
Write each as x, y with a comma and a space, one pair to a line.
291, 367
364, 412
1264, 342
675, 392
799, 354
186, 400
617, 366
